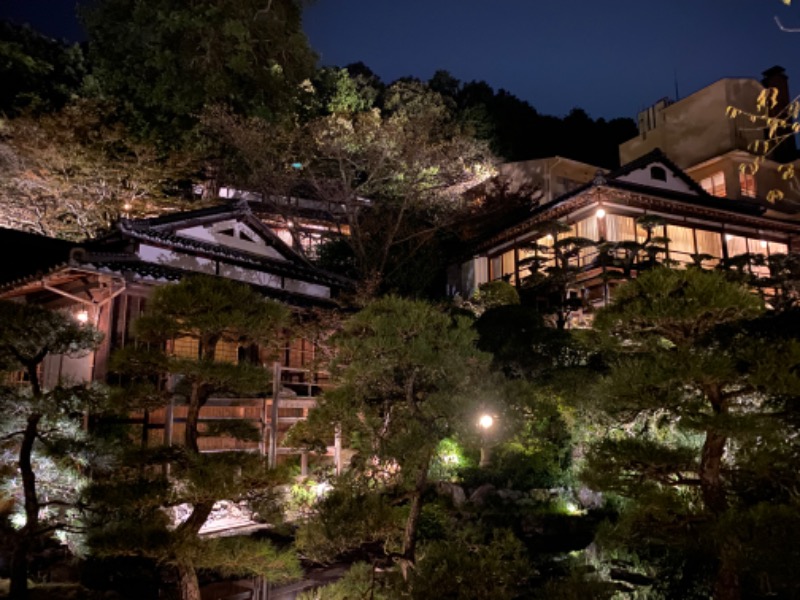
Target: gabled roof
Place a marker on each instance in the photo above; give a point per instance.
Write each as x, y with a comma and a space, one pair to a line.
166, 227
690, 199
656, 158
120, 254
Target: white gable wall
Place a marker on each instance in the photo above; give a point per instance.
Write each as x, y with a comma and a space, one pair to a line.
212, 234
642, 177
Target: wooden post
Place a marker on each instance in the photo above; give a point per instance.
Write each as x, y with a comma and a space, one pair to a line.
273, 424
263, 443
337, 449
303, 464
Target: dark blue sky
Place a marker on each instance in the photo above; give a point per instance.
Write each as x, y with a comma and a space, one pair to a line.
611, 58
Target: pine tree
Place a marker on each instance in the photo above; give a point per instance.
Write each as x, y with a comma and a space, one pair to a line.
696, 400
41, 433
130, 500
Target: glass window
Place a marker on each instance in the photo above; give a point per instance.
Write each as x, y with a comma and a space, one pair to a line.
681, 243
226, 352
524, 254
186, 347
736, 245
510, 266
621, 229
715, 184
709, 242
777, 248
588, 228
747, 183
495, 267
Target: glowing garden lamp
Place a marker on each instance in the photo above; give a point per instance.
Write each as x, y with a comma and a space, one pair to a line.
82, 316
485, 422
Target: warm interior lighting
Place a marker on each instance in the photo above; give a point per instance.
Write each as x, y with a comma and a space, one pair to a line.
600, 213
486, 421
82, 316
762, 243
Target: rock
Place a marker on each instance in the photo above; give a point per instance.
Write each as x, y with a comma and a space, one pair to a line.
510, 495
453, 491
589, 499
479, 496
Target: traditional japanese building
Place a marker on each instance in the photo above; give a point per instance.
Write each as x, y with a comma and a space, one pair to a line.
606, 209
107, 282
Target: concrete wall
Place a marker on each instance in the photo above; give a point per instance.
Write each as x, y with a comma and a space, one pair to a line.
697, 127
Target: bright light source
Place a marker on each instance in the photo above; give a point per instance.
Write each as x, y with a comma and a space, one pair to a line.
290, 223
127, 206
549, 236
486, 421
600, 213
450, 459
728, 237
82, 316
762, 243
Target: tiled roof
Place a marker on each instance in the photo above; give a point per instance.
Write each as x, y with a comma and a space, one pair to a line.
146, 271
28, 254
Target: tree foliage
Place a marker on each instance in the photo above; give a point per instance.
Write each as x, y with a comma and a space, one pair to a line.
695, 406
405, 375
205, 310
390, 177
44, 446
72, 173
167, 60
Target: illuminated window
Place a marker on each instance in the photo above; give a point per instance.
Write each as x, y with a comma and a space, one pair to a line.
747, 183
715, 184
509, 266
736, 245
495, 267
709, 242
777, 248
186, 347
226, 352
620, 228
681, 243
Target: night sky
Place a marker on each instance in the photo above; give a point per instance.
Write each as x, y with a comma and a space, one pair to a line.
611, 58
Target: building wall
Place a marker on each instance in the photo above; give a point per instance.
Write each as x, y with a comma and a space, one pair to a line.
546, 178
697, 127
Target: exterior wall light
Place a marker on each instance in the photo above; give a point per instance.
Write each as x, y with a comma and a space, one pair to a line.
600, 213
82, 316
728, 237
762, 243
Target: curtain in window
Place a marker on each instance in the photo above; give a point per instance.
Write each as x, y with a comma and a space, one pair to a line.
509, 266
495, 267
709, 242
621, 229
681, 243
588, 229
736, 245
777, 248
